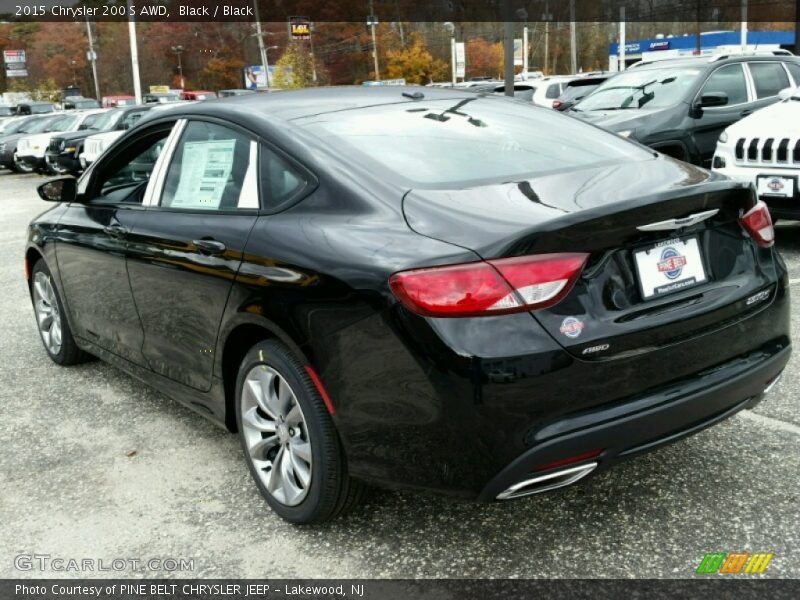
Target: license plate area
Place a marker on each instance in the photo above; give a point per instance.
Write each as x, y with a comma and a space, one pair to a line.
669, 266
776, 186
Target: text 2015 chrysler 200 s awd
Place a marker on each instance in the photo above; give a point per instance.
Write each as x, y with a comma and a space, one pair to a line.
413, 288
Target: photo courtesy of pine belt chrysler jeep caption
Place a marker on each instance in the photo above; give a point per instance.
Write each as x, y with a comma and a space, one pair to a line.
413, 288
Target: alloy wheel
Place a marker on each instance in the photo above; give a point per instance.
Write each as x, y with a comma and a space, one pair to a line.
276, 435
48, 316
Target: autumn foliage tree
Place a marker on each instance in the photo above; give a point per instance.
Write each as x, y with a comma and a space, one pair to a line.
294, 68
484, 58
415, 64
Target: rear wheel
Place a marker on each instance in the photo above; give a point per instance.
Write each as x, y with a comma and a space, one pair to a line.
53, 327
289, 440
20, 166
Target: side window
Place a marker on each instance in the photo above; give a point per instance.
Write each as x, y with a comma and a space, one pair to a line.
130, 119
729, 80
213, 168
281, 181
769, 78
124, 179
553, 91
794, 70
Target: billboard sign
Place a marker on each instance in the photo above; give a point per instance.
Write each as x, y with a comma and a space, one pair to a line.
300, 28
518, 52
15, 63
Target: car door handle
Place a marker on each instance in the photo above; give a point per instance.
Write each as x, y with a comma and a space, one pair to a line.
115, 230
209, 246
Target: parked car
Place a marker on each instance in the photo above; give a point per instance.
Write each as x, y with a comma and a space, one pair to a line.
577, 89
64, 154
160, 98
764, 150
95, 145
115, 101
35, 108
198, 95
31, 149
79, 103
522, 91
681, 106
14, 131
413, 287
231, 93
550, 88
6, 112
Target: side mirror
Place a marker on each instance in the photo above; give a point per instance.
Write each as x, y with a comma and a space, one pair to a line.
64, 189
711, 99
787, 93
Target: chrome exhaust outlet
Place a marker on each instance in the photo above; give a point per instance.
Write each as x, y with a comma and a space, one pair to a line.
547, 482
772, 384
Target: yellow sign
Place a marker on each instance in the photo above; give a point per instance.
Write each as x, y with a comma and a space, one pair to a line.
159, 89
301, 29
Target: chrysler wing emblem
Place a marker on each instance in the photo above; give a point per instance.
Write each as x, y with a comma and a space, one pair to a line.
678, 223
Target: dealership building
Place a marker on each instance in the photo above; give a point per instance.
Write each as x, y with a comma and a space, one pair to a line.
712, 42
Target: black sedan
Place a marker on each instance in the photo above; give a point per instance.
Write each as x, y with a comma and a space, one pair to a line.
413, 287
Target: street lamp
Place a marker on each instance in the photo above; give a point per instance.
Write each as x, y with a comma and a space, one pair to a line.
450, 27
178, 50
74, 64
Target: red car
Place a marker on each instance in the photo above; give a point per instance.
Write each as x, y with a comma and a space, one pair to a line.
198, 95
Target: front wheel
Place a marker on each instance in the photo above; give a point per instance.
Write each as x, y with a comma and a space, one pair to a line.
53, 327
289, 440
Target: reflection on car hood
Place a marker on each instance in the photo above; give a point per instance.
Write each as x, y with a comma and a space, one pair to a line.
777, 120
616, 120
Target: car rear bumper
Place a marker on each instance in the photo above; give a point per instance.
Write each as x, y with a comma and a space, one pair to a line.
607, 436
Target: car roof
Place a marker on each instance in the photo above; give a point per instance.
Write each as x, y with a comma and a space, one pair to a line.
713, 60
295, 104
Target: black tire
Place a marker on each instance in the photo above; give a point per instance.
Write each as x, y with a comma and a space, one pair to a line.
331, 492
69, 353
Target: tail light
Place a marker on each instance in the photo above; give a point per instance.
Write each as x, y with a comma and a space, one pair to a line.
758, 223
556, 103
488, 288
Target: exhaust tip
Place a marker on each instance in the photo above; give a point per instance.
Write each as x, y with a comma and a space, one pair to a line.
547, 482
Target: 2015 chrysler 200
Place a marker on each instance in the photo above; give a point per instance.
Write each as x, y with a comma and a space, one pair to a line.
413, 288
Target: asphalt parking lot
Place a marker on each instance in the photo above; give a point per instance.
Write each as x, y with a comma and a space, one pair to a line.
94, 465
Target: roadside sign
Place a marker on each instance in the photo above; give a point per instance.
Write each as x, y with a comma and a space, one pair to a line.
461, 61
518, 52
300, 28
15, 63
159, 89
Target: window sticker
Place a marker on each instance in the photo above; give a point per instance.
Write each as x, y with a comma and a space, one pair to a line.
205, 169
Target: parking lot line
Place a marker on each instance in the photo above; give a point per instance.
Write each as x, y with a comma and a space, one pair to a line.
776, 423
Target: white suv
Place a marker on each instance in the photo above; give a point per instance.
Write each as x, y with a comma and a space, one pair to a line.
764, 149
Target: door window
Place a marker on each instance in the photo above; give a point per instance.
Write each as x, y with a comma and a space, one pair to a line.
730, 81
125, 178
769, 78
794, 70
213, 168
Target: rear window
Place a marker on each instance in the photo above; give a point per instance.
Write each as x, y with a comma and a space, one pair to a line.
576, 92
464, 141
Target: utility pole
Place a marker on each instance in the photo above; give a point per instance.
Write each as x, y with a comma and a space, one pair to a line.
698, 46
573, 50
372, 21
313, 61
93, 58
178, 50
525, 50
262, 52
137, 84
547, 17
508, 56
621, 65
744, 26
